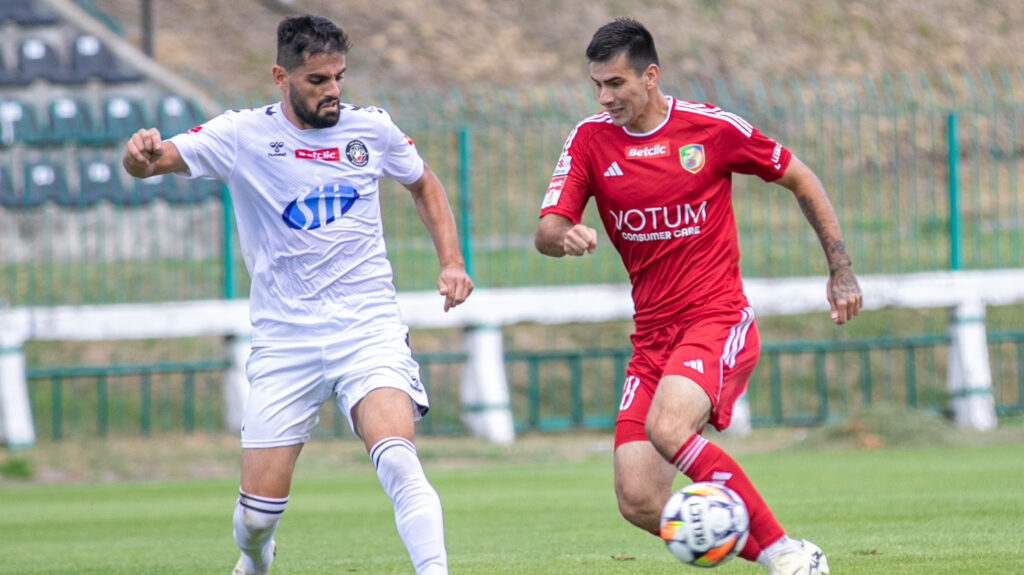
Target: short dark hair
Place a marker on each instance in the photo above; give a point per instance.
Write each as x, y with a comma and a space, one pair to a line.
299, 37
623, 35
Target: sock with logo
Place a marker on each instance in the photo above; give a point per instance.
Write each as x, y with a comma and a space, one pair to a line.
255, 520
417, 506
701, 460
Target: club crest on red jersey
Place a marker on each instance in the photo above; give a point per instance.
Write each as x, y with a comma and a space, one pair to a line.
691, 156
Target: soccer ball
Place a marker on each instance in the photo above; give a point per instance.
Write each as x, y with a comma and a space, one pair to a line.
705, 524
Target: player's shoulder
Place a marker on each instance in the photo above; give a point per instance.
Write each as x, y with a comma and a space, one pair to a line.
596, 123
590, 127
370, 114
709, 117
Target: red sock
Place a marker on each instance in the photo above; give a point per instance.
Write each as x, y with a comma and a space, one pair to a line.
701, 460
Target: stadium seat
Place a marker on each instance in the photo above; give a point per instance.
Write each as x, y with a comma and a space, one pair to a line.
19, 123
44, 181
71, 121
175, 115
192, 191
7, 190
122, 117
26, 13
37, 59
99, 178
147, 190
90, 58
11, 76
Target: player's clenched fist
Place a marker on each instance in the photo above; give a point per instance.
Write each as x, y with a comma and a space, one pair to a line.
579, 239
142, 152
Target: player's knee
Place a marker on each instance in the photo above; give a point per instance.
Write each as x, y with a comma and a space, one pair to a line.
637, 507
667, 432
664, 433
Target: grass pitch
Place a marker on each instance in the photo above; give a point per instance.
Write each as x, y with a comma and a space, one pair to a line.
930, 510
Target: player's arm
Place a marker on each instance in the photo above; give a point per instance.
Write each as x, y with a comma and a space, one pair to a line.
844, 293
146, 154
432, 206
557, 236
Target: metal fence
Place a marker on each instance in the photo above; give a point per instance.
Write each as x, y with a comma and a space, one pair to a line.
795, 383
925, 171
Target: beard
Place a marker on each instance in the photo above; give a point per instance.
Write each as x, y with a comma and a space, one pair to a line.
311, 117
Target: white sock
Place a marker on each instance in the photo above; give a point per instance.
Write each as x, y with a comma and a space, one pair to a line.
255, 521
417, 506
784, 544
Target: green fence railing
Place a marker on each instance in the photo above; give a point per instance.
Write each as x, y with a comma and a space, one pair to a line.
926, 172
796, 383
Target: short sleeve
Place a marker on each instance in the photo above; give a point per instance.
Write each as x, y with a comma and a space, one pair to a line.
751, 152
402, 161
209, 150
568, 189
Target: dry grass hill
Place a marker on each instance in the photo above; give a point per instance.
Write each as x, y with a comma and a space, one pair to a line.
230, 43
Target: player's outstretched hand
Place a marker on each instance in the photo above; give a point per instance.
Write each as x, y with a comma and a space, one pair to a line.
844, 296
455, 285
142, 151
579, 240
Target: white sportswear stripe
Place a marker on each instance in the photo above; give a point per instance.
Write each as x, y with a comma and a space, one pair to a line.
737, 337
386, 444
689, 455
714, 112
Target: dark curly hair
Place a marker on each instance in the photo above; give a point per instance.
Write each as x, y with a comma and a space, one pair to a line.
299, 37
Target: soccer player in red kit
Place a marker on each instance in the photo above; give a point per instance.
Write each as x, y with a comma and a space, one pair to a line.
659, 170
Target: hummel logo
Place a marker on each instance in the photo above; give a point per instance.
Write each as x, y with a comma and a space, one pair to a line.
695, 364
613, 170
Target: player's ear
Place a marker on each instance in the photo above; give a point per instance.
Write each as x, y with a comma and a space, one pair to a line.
651, 76
280, 76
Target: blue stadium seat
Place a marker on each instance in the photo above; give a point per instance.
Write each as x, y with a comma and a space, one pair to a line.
99, 178
90, 58
19, 123
44, 181
149, 189
122, 117
8, 193
71, 121
192, 191
26, 13
37, 59
11, 76
175, 115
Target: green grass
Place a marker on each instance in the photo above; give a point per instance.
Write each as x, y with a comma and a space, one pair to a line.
927, 511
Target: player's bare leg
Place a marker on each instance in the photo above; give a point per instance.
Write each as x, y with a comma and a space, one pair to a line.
679, 411
385, 422
643, 483
263, 495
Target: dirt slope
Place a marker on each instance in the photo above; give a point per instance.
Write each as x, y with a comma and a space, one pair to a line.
230, 43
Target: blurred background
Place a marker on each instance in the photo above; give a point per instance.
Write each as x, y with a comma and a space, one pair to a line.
912, 113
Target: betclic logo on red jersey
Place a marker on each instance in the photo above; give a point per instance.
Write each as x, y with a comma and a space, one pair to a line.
647, 151
327, 155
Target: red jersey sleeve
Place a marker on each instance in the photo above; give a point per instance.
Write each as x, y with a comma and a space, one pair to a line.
750, 151
569, 190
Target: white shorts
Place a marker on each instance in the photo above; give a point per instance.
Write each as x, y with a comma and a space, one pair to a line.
288, 383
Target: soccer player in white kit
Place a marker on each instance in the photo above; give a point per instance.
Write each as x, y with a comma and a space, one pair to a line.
303, 175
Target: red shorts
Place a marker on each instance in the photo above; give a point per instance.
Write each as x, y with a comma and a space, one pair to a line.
718, 352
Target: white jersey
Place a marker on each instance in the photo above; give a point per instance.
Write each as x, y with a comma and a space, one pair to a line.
308, 211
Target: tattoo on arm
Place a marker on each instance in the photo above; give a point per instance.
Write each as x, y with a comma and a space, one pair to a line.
837, 257
835, 249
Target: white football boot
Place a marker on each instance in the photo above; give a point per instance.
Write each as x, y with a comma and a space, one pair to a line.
240, 568
808, 560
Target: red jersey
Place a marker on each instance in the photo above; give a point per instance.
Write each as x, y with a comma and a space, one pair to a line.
665, 199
